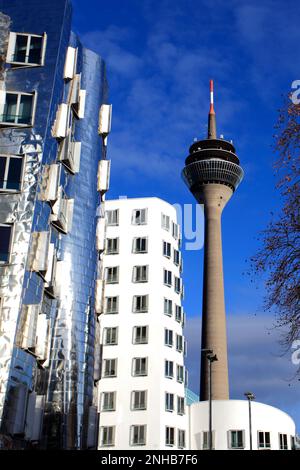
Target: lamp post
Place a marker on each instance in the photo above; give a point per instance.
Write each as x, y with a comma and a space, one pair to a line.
211, 357
250, 396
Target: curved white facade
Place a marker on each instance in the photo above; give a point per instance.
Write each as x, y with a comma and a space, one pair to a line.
139, 356
271, 428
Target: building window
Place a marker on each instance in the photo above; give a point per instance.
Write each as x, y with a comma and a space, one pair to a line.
168, 307
112, 304
107, 436
140, 335
139, 366
180, 374
110, 368
139, 400
112, 275
264, 440
170, 436
10, 172
283, 445
165, 222
176, 258
181, 439
139, 217
292, 443
112, 217
168, 338
169, 402
108, 401
180, 406
179, 343
177, 284
111, 336
26, 49
205, 440
236, 440
178, 313
167, 249
112, 246
175, 230
140, 274
167, 278
138, 435
169, 369
18, 109
140, 245
5, 242
140, 303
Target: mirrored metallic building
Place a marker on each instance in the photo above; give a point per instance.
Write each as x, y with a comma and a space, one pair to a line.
51, 92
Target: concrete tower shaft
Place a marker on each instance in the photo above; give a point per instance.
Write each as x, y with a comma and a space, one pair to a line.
212, 173
215, 197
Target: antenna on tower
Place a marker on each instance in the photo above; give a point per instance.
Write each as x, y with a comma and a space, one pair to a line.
212, 127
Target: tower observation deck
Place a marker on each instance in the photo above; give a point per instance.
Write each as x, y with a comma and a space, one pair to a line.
212, 173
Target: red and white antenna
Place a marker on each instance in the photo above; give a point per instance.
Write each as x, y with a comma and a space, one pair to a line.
211, 86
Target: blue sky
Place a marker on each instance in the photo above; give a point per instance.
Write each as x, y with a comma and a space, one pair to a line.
160, 55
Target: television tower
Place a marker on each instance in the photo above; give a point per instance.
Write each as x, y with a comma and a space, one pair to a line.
212, 173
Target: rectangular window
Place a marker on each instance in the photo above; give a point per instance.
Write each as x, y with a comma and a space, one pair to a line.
169, 402
112, 275
140, 335
140, 274
110, 368
107, 436
175, 230
168, 307
176, 257
264, 440
140, 245
10, 172
108, 401
169, 369
179, 343
177, 284
180, 406
111, 336
138, 435
165, 222
170, 436
18, 109
167, 278
236, 439
180, 374
112, 217
112, 246
205, 440
168, 338
112, 305
140, 304
26, 49
139, 217
178, 313
139, 366
167, 249
181, 439
5, 242
139, 400
283, 445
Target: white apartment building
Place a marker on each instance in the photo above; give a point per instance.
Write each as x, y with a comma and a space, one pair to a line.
143, 378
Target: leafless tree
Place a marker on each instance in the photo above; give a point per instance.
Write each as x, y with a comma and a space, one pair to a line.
279, 255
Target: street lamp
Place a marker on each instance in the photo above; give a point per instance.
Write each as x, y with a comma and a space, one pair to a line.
250, 396
211, 357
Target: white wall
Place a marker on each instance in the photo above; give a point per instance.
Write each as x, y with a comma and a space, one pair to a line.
234, 415
155, 417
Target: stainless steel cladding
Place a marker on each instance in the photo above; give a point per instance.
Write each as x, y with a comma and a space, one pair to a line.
51, 93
